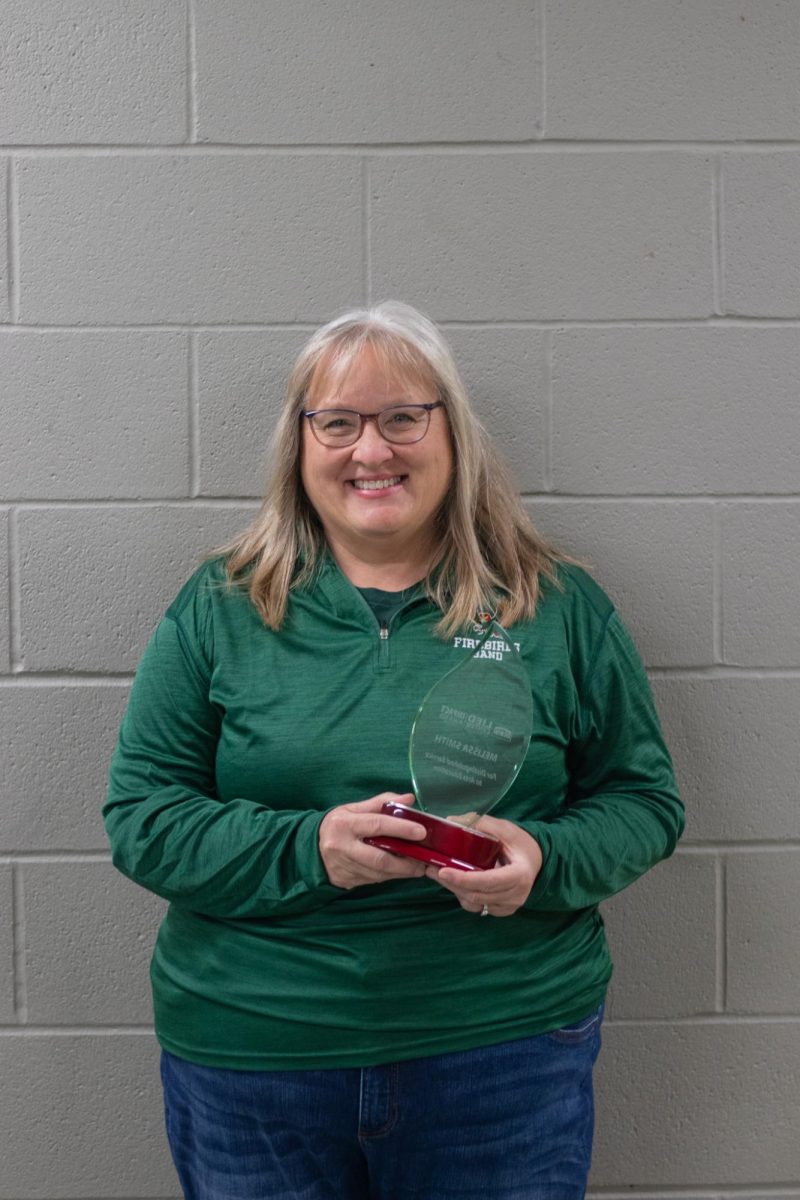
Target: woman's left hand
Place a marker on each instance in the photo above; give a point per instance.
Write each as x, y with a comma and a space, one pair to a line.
504, 888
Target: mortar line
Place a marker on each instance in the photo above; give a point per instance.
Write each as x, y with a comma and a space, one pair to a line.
670, 497
18, 925
723, 930
74, 1030
366, 178
720, 990
191, 73
193, 398
722, 671
547, 384
698, 1022
16, 662
541, 50
740, 846
38, 857
63, 679
8, 666
708, 1192
521, 146
717, 585
12, 238
39, 503
103, 504
625, 323
717, 200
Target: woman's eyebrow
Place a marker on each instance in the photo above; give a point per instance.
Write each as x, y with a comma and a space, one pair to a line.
387, 401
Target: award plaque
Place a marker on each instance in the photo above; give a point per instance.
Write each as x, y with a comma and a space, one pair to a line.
468, 742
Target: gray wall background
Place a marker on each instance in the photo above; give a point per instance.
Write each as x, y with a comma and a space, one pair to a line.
599, 200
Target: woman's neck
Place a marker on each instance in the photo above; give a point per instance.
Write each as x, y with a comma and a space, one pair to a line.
387, 570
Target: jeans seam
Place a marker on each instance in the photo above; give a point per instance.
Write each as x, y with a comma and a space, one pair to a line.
393, 1070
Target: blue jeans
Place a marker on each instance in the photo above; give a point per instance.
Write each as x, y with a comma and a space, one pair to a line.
510, 1122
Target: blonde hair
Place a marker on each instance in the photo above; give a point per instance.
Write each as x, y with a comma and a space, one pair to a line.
489, 555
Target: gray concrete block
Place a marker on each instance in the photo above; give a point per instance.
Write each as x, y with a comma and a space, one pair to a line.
760, 595
89, 934
7, 972
93, 415
763, 903
128, 239
657, 70
675, 410
93, 71
5, 608
503, 370
83, 1117
5, 308
57, 743
662, 933
95, 581
737, 755
340, 72
478, 236
697, 1105
241, 386
761, 252
655, 559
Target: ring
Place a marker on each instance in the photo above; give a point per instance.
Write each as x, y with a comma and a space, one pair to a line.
485, 910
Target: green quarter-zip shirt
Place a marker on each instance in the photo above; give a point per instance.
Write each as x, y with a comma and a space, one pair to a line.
236, 742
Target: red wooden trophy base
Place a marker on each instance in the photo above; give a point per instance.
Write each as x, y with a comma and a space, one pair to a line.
447, 843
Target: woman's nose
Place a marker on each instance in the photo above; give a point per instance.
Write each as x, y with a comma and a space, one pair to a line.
372, 446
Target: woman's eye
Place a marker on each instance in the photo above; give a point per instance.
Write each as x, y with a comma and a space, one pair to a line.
337, 424
403, 418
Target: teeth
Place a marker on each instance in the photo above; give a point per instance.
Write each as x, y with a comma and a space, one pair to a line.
374, 485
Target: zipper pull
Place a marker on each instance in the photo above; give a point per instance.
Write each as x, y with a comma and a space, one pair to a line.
384, 632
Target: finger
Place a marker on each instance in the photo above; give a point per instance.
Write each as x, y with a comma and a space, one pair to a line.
371, 825
376, 803
383, 863
499, 903
495, 827
483, 883
396, 866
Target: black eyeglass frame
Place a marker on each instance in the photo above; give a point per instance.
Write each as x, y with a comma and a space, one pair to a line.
364, 417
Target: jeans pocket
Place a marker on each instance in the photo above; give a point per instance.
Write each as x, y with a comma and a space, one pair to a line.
578, 1031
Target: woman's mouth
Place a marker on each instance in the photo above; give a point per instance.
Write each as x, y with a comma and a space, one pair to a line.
377, 485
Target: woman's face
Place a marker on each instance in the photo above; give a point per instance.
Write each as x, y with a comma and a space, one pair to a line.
397, 515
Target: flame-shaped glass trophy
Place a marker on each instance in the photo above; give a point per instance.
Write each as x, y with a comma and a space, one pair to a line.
468, 742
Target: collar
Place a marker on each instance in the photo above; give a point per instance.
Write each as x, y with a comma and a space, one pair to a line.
344, 599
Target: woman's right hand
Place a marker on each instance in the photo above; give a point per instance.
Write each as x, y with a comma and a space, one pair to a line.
349, 861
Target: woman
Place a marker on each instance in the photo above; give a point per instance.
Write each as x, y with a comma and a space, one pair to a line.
337, 1021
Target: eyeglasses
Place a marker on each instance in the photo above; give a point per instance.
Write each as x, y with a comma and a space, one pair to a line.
401, 424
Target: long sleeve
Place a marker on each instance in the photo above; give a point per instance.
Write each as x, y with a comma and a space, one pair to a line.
168, 829
624, 813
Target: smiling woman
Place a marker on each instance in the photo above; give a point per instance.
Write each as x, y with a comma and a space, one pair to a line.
336, 1021
483, 546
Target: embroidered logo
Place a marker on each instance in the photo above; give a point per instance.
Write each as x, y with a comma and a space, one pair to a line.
494, 647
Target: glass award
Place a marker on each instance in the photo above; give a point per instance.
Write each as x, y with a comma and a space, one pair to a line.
468, 742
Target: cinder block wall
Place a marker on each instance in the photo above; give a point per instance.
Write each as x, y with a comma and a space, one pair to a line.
599, 199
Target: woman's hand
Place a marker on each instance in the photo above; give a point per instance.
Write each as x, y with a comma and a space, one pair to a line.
504, 888
349, 861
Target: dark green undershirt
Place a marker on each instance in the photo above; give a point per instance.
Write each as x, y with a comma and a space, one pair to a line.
385, 604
